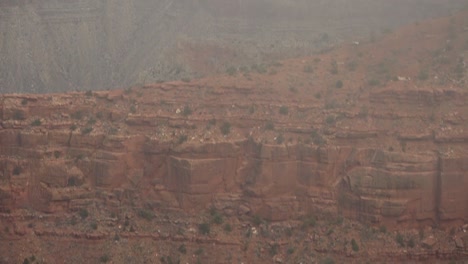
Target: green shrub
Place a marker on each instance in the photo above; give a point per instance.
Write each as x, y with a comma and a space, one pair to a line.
91, 121
187, 111
383, 229
146, 214
270, 125
86, 130
411, 243
339, 84
217, 219
423, 75
354, 245
227, 228
231, 70
330, 120
373, 82
204, 228
352, 65
198, 252
225, 128
399, 239
274, 249
104, 258
182, 139
327, 260
334, 67
284, 110
83, 213
16, 170
182, 249
309, 221
77, 115
308, 69
280, 139
18, 115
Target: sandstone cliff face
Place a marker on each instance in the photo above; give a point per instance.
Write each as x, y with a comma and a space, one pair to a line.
58, 165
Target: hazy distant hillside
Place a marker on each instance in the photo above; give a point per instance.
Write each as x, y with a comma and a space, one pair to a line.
51, 45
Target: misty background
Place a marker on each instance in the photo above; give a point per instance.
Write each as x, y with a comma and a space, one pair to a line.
67, 45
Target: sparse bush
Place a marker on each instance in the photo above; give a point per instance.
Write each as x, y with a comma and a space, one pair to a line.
104, 258
182, 139
83, 213
185, 79
227, 228
383, 229
339, 84
270, 125
328, 260
330, 120
86, 130
24, 101
182, 249
18, 115
257, 220
73, 127
284, 110
93, 225
204, 228
354, 245
146, 214
225, 128
251, 109
280, 139
293, 89
352, 65
308, 68
334, 67
217, 218
274, 249
198, 252
411, 243
89, 93
187, 111
309, 221
78, 115
231, 70
423, 75
16, 170
290, 251
399, 239
317, 139
373, 82
91, 121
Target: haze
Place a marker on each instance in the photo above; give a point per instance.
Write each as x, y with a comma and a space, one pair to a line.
51, 46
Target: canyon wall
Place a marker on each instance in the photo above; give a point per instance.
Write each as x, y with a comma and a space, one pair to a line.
57, 161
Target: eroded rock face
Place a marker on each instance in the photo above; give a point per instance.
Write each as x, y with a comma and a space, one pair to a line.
277, 182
